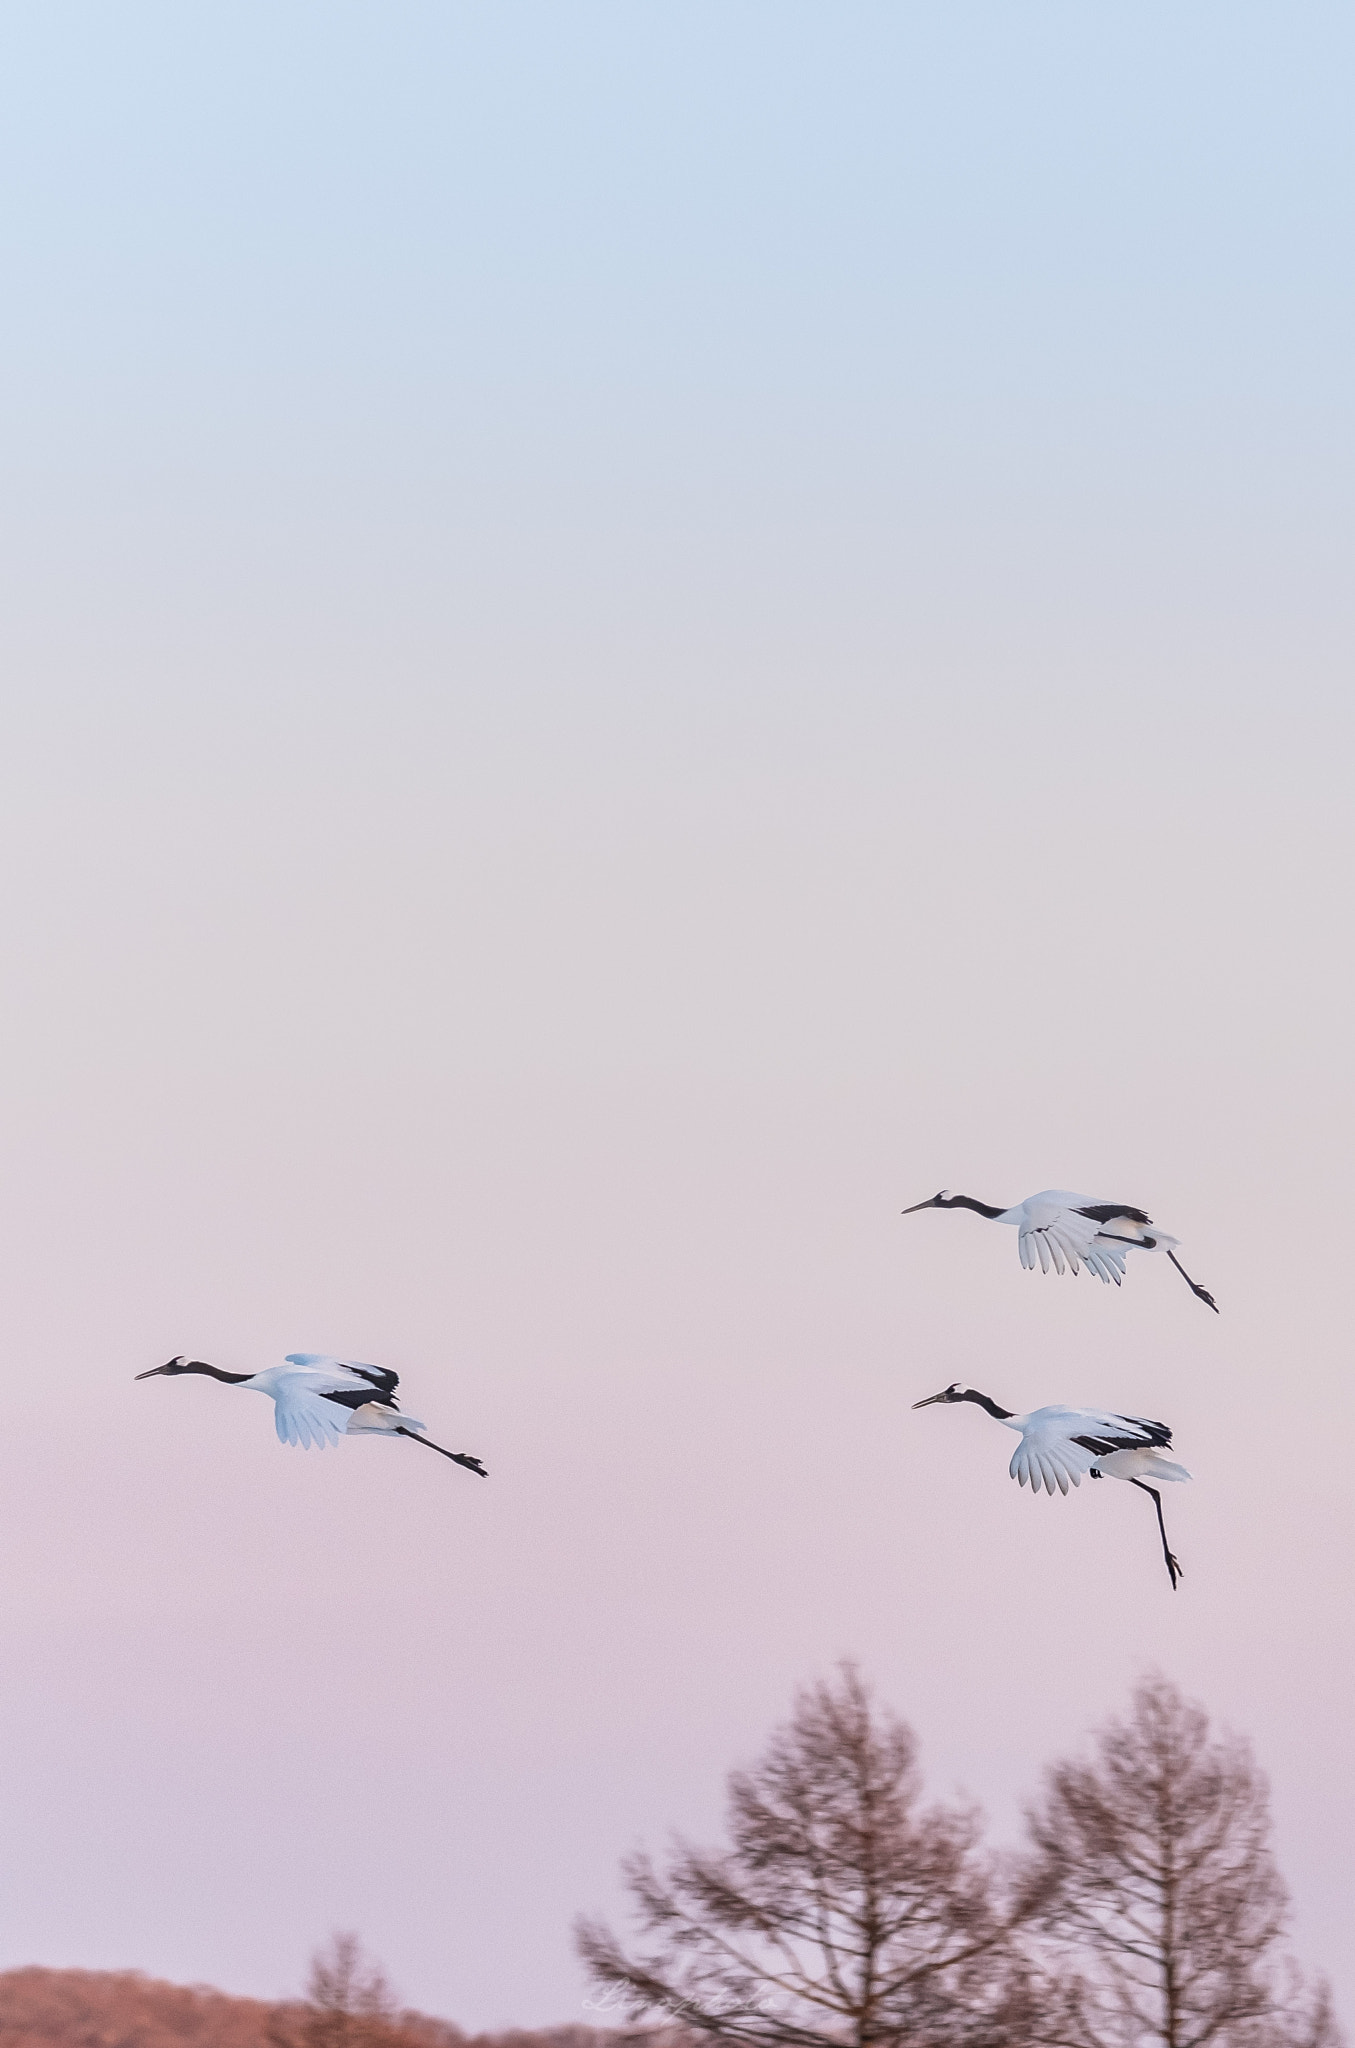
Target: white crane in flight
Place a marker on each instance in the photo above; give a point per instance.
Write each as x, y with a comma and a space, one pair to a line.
317, 1399
1059, 1444
1059, 1228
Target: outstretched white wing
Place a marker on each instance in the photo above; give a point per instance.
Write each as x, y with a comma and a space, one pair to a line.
299, 1388
1105, 1260
1058, 1236
1059, 1444
352, 1373
303, 1415
1047, 1456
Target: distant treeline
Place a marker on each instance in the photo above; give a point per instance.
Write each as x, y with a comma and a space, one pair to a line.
123, 2009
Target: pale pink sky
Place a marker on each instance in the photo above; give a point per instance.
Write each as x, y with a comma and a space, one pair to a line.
633, 643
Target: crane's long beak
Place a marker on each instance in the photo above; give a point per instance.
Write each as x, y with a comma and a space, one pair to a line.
153, 1371
931, 1398
930, 1203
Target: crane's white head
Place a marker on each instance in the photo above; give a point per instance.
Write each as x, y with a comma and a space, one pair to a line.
954, 1392
180, 1364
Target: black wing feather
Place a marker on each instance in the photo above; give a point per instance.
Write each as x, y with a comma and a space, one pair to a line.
1106, 1212
1148, 1434
353, 1397
378, 1376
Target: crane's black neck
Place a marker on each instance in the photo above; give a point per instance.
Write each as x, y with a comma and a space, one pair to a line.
986, 1401
214, 1372
968, 1202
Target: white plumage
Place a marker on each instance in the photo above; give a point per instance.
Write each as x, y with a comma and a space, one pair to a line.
1060, 1229
318, 1399
1056, 1448
304, 1411
1059, 1446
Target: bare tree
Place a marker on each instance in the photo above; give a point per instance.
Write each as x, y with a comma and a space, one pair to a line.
843, 1915
348, 2003
1165, 1907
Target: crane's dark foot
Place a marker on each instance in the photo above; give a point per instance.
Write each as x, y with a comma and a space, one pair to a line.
1193, 1285
457, 1457
1174, 1571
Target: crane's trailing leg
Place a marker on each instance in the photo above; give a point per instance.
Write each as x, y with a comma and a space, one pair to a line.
1193, 1285
1174, 1571
457, 1457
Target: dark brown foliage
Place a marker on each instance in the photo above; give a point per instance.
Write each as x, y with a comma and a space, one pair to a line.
1165, 1906
843, 1913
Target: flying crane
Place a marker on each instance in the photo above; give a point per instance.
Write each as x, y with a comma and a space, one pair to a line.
317, 1399
1062, 1229
1059, 1444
